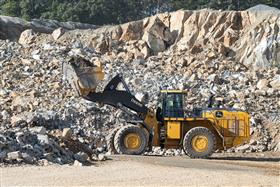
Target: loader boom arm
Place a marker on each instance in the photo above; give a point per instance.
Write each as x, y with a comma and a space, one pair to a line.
122, 99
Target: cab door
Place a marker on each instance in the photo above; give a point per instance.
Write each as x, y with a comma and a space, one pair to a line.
173, 105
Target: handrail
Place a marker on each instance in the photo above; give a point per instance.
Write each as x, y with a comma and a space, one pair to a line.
222, 125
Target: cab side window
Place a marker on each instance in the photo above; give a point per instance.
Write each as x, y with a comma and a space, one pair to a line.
219, 114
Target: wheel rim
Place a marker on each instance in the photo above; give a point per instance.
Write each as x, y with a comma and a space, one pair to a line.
200, 143
132, 141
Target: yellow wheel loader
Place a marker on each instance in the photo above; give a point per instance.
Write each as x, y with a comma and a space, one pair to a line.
199, 132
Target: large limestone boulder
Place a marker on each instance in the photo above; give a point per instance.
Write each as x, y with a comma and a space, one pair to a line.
58, 33
132, 31
27, 37
157, 36
275, 83
262, 84
100, 43
155, 44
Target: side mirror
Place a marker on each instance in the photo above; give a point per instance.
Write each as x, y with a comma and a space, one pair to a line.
211, 101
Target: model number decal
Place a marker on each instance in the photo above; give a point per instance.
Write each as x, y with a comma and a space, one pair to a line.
137, 103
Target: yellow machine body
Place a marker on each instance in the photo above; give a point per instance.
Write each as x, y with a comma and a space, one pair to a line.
173, 129
231, 127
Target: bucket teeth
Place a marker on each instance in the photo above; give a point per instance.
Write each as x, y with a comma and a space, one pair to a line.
83, 76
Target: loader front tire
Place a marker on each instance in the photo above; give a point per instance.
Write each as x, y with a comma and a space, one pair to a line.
199, 142
131, 140
110, 141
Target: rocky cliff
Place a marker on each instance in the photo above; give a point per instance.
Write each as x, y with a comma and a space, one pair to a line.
12, 27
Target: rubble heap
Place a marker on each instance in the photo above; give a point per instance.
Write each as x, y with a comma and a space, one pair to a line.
233, 54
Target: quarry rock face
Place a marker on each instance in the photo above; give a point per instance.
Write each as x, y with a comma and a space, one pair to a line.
234, 55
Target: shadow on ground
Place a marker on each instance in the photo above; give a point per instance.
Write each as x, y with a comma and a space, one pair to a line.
246, 159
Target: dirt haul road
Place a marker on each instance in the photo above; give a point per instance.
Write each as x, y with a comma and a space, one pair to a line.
148, 170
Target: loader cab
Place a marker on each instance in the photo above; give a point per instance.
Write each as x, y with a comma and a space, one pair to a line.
173, 103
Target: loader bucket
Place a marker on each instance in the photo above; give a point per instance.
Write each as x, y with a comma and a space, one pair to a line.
83, 76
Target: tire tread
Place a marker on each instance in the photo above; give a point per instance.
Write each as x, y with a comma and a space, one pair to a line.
117, 140
195, 131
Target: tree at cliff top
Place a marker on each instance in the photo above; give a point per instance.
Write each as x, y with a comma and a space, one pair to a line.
101, 12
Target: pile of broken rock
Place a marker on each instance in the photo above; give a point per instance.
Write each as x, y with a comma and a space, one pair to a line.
35, 145
38, 110
234, 55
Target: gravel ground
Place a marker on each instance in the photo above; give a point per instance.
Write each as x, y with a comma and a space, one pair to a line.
151, 171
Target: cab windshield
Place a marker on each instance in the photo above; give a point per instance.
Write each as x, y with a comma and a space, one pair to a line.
173, 105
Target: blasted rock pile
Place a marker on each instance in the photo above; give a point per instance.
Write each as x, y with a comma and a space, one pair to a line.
234, 55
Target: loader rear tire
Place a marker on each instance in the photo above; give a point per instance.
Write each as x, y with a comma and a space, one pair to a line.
110, 141
131, 140
199, 142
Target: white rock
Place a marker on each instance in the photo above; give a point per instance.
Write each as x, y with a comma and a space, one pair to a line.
212, 77
43, 139
48, 47
58, 33
277, 147
36, 57
100, 149
38, 130
67, 133
27, 158
28, 117
275, 83
5, 115
77, 163
243, 148
101, 157
139, 96
262, 84
27, 37
16, 155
